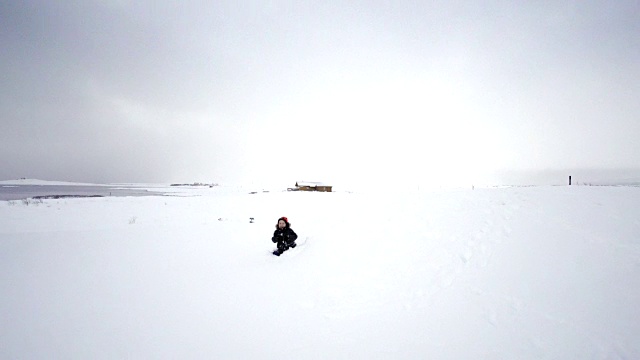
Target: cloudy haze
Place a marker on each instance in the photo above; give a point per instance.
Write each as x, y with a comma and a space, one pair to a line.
275, 91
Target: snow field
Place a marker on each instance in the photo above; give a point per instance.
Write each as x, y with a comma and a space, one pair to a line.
527, 273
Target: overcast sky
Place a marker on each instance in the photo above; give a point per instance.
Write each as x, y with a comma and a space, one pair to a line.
335, 91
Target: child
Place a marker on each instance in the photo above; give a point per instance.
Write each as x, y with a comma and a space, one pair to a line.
284, 236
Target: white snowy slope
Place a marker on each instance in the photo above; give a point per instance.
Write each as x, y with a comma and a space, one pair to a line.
510, 273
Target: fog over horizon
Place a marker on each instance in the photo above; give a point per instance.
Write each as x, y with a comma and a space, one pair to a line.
429, 93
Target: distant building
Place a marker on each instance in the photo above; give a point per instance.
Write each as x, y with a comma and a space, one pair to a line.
311, 186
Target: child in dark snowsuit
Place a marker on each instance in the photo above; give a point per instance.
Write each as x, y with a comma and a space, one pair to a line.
284, 236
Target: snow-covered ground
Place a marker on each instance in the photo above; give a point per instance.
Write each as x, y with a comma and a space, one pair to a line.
501, 273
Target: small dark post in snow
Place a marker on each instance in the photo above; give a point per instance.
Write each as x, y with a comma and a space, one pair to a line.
569, 179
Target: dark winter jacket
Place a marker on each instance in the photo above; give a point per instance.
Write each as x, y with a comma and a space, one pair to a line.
286, 235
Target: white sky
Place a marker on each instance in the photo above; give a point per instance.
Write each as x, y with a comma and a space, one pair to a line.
338, 91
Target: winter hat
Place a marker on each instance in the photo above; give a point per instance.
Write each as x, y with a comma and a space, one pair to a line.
284, 218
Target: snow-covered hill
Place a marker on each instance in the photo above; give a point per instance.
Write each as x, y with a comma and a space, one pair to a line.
510, 273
